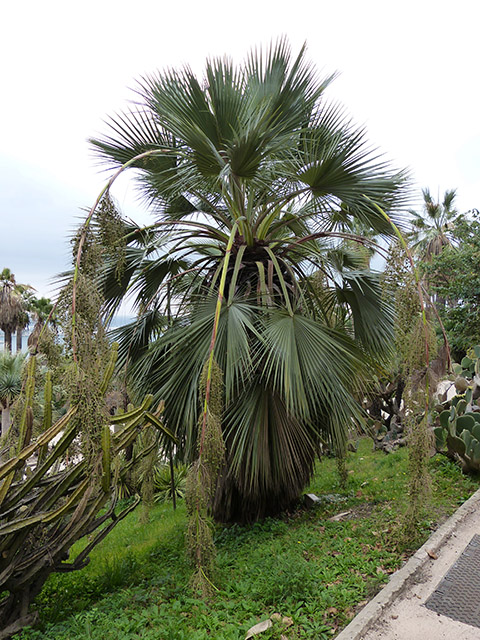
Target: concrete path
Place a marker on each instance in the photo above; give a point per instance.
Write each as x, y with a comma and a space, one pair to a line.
398, 611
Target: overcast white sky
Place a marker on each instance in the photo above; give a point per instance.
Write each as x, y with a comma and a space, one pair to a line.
409, 72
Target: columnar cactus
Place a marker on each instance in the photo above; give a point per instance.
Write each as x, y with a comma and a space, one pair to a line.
44, 510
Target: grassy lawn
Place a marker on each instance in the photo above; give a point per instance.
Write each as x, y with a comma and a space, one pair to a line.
314, 572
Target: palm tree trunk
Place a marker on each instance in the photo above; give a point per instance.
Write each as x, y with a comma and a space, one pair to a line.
19, 339
8, 341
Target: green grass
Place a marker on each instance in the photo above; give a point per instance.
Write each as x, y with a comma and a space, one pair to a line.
313, 571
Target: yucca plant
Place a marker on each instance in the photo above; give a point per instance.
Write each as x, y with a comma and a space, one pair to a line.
165, 489
10, 386
302, 319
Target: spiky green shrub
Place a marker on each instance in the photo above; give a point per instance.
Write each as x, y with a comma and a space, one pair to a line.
163, 482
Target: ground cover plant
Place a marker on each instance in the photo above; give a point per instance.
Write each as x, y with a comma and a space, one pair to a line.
314, 572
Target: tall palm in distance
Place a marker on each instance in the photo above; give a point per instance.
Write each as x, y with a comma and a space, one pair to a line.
28, 300
18, 307
12, 307
40, 310
257, 152
432, 229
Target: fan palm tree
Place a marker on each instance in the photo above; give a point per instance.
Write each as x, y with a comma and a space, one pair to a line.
254, 153
432, 229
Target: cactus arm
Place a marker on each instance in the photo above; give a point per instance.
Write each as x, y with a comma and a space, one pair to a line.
125, 417
59, 450
54, 492
153, 420
21, 523
29, 391
106, 458
47, 414
44, 438
47, 402
6, 486
82, 559
109, 369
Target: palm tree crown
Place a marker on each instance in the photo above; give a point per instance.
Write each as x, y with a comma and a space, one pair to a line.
255, 151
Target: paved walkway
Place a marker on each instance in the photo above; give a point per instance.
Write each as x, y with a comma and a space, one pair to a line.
398, 612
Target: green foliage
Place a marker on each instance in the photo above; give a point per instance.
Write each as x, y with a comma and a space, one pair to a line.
454, 276
52, 508
10, 378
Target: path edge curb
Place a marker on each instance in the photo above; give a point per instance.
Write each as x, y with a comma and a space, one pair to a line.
367, 617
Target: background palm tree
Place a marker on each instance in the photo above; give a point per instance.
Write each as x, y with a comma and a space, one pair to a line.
41, 311
12, 311
10, 385
28, 301
432, 229
256, 149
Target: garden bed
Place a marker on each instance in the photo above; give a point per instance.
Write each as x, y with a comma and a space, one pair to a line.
314, 568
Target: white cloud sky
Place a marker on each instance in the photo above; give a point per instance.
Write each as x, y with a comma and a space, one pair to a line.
409, 72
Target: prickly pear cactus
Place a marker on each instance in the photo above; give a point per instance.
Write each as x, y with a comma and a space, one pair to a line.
457, 430
469, 365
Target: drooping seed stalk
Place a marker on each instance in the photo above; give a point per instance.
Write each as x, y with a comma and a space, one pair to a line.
416, 275
221, 290
419, 439
85, 227
202, 478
